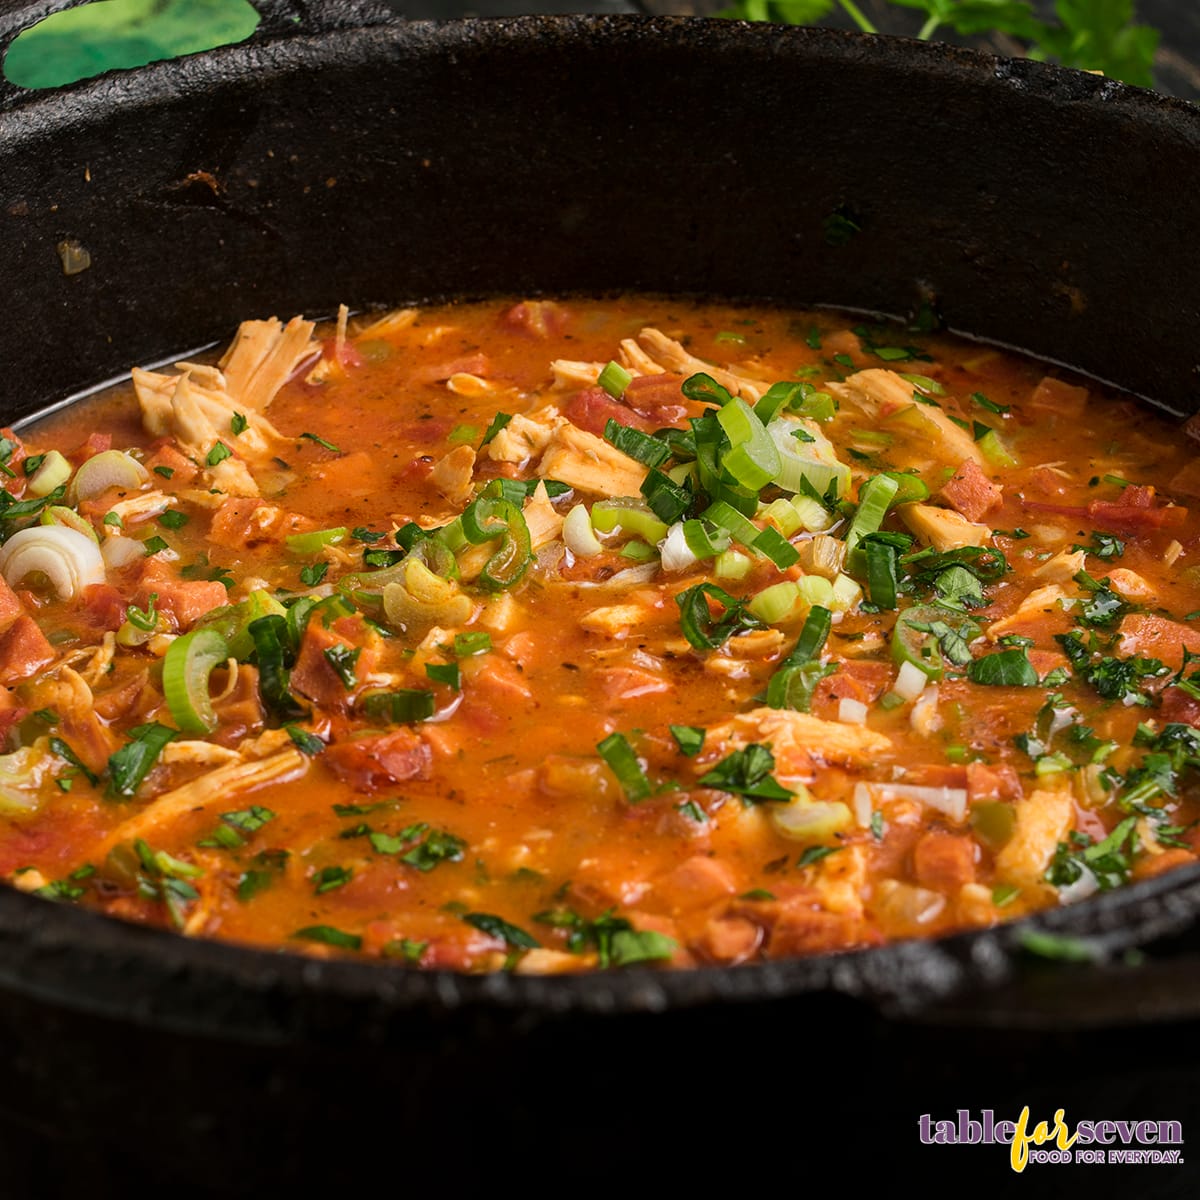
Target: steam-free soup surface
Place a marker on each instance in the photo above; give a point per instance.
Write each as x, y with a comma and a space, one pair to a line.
547, 636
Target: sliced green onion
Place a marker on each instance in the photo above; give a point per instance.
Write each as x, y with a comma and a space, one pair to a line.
186, 668
777, 548
776, 603
752, 458
732, 564
632, 516
882, 577
874, 498
725, 516
623, 762
487, 518
667, 501
705, 390
269, 635
51, 473
400, 707
701, 542
316, 541
641, 447
614, 379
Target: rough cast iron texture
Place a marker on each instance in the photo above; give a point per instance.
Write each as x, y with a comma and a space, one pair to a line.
385, 163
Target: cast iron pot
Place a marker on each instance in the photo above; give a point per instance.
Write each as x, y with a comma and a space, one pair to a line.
342, 155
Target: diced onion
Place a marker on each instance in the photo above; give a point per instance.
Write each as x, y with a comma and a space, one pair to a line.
809, 820
864, 804
68, 559
119, 552
676, 553
910, 682
925, 718
54, 472
578, 534
1086, 885
949, 800
110, 468
851, 711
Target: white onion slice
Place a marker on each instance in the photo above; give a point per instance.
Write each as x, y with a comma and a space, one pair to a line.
676, 553
949, 800
578, 534
68, 559
119, 552
851, 711
910, 681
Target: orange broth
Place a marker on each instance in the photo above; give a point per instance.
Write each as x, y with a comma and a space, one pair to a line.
539, 802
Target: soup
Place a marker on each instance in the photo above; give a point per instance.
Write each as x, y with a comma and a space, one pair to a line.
550, 636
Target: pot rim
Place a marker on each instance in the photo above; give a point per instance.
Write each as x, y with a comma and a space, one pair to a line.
210, 986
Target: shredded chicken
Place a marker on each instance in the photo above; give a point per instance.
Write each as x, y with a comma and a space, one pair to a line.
452, 474
217, 787
828, 741
591, 464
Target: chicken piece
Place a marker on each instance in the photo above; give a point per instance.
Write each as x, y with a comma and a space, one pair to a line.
614, 620
525, 436
262, 357
545, 522
796, 732
970, 492
452, 474
218, 787
582, 460
1063, 567
1132, 586
942, 528
670, 354
876, 391
1033, 608
390, 323
1043, 819
570, 375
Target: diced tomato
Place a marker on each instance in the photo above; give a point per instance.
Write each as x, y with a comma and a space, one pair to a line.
96, 443
1152, 636
592, 409
23, 650
944, 861
538, 318
184, 601
10, 604
370, 763
242, 522
1178, 706
468, 364
1053, 395
987, 782
314, 675
971, 492
183, 470
103, 606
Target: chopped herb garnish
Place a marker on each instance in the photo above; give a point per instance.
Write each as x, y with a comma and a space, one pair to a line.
154, 545
688, 738
623, 762
330, 936
312, 574
342, 659
329, 878
173, 519
131, 764
468, 644
238, 423
747, 773
814, 854
305, 742
512, 935
312, 437
447, 673
218, 454
498, 422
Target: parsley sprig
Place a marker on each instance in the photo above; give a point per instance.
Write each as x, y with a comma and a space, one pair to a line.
1084, 34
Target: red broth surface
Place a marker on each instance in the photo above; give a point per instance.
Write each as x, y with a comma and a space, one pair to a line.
408, 638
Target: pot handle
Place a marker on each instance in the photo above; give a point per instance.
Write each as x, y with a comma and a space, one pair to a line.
278, 19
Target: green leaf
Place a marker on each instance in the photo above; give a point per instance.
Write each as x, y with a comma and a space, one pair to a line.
329, 936
512, 935
747, 773
1008, 668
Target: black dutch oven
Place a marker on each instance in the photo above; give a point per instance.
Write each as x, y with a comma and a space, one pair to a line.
343, 155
